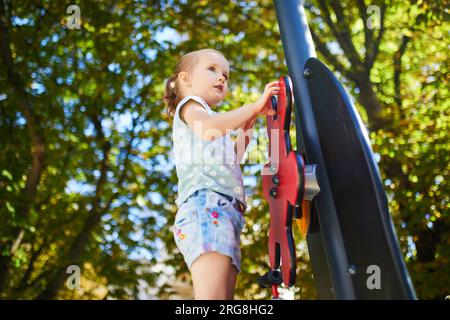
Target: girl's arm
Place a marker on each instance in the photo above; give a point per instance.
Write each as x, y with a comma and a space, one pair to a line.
209, 127
245, 133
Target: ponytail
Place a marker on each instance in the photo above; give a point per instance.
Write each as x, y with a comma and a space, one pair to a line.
172, 94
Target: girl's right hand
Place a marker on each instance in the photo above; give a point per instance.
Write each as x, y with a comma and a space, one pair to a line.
263, 105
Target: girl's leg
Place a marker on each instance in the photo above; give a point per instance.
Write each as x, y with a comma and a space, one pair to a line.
213, 277
232, 281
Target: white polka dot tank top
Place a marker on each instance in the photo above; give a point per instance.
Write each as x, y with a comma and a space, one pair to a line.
202, 164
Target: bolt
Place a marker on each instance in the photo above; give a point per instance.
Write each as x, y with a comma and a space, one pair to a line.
351, 270
276, 180
307, 73
273, 192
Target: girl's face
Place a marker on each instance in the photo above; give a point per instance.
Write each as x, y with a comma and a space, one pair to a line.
208, 78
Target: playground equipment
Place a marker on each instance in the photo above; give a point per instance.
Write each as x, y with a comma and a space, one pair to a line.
331, 185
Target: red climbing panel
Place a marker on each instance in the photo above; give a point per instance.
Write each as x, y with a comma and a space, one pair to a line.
283, 184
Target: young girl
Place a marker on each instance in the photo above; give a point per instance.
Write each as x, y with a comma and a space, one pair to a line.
211, 200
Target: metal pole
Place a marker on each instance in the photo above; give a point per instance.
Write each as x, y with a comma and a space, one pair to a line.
298, 47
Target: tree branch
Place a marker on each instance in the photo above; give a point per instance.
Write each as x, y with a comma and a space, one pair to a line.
76, 250
398, 70
376, 44
24, 282
331, 58
340, 31
368, 33
37, 146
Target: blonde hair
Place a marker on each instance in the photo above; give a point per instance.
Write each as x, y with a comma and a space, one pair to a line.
172, 90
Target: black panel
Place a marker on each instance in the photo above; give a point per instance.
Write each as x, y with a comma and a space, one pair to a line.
359, 197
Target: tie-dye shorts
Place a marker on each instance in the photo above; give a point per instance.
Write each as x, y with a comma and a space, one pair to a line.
207, 222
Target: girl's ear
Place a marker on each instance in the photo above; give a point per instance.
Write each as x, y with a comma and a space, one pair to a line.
185, 78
